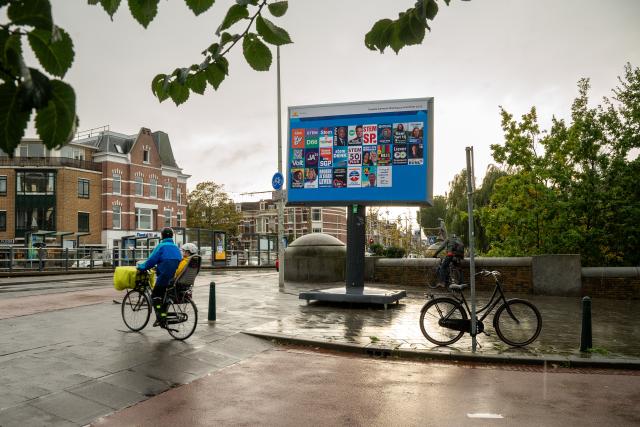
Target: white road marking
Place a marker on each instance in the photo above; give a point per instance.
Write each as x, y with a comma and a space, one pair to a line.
484, 415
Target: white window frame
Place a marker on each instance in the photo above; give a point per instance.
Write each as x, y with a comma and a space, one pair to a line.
146, 155
116, 177
167, 218
179, 219
140, 214
315, 211
115, 215
153, 188
168, 191
138, 185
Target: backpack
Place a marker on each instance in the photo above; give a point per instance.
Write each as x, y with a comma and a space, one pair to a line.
457, 247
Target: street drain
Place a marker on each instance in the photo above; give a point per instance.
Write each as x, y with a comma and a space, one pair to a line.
377, 353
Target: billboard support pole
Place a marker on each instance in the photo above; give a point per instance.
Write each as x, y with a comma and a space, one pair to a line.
356, 225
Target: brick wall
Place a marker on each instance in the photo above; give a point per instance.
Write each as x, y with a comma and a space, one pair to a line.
68, 204
611, 287
8, 203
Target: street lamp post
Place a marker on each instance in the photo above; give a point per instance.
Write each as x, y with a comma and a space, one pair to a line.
281, 191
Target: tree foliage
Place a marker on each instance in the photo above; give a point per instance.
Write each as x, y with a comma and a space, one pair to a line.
573, 188
209, 206
24, 89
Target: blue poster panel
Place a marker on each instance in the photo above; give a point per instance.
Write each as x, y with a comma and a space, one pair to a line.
372, 153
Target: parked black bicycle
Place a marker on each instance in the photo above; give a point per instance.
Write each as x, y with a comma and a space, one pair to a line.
444, 319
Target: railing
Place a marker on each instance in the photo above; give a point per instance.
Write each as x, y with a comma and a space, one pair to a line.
50, 162
14, 259
247, 258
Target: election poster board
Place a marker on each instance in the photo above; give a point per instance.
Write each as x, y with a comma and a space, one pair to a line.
369, 153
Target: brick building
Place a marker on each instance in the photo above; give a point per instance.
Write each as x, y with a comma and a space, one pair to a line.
93, 191
142, 187
262, 218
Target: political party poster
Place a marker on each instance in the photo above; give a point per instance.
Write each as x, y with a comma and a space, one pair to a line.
384, 133
369, 134
372, 153
354, 176
340, 156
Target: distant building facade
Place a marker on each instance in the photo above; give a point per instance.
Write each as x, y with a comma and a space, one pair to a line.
93, 191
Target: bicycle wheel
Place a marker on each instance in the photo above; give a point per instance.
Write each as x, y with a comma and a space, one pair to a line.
182, 319
436, 310
136, 310
520, 326
456, 276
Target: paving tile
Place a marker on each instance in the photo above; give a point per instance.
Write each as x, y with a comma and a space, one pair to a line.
137, 382
107, 394
27, 416
71, 407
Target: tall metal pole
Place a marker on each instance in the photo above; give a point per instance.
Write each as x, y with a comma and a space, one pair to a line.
281, 191
472, 263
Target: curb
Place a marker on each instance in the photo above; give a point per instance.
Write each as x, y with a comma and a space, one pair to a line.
379, 351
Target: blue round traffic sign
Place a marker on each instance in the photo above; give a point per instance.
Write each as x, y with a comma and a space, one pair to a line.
277, 181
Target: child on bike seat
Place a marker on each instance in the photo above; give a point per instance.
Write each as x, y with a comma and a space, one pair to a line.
188, 250
455, 253
165, 257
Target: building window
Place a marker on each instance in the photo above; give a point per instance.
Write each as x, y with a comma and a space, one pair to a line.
168, 191
3, 220
316, 214
153, 188
83, 222
238, 207
42, 218
179, 219
117, 184
83, 188
167, 218
138, 186
31, 150
3, 185
35, 183
117, 217
144, 219
145, 156
179, 194
316, 230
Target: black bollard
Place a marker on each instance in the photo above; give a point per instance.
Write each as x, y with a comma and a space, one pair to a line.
586, 341
212, 301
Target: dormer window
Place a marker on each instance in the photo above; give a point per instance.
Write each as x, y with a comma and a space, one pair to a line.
118, 148
145, 156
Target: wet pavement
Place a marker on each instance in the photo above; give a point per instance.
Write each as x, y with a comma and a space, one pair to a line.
66, 357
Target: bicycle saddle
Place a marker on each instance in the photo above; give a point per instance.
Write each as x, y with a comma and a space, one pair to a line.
458, 287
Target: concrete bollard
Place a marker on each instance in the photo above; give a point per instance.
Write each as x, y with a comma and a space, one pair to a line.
586, 341
212, 301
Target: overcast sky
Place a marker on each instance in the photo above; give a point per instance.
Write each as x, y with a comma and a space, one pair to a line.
479, 55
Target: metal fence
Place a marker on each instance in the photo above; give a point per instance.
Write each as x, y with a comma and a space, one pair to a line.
15, 259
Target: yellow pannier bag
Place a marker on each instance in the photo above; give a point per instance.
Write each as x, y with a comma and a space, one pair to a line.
125, 278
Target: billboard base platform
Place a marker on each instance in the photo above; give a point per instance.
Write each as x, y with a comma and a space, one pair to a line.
362, 295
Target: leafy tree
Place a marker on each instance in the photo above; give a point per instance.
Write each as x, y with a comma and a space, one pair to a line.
209, 206
570, 189
429, 215
24, 89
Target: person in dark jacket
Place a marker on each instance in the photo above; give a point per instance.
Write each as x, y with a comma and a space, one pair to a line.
455, 249
165, 257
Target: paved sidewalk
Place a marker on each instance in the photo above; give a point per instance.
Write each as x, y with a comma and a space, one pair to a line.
70, 363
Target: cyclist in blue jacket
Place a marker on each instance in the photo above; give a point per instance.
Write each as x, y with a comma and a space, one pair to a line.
165, 257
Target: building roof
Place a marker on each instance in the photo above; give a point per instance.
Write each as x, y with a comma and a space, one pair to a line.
163, 145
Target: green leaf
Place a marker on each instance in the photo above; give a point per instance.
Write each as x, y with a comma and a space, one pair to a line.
144, 11
395, 42
11, 53
226, 38
13, 120
247, 2
109, 6
199, 6
159, 87
278, 8
379, 37
197, 82
35, 13
56, 123
271, 33
257, 54
430, 9
416, 26
179, 93
217, 71
35, 92
56, 56
234, 14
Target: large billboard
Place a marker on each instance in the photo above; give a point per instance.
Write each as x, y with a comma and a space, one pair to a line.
369, 153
